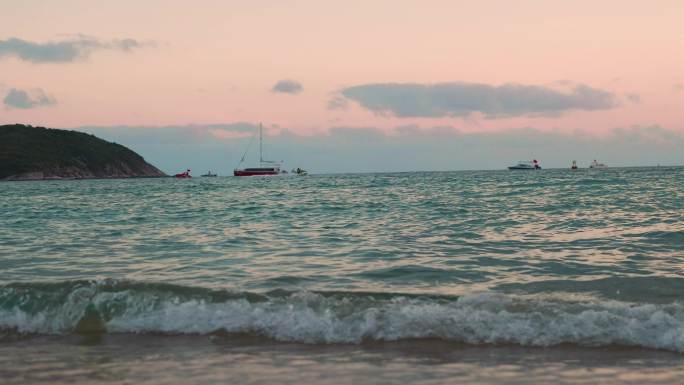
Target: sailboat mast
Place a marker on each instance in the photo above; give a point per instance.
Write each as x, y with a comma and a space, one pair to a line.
261, 140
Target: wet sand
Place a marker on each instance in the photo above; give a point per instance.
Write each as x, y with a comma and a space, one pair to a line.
159, 359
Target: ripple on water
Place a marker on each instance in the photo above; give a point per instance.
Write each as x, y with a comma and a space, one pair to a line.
449, 233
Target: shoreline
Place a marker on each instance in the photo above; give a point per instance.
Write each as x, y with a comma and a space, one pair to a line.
87, 178
359, 173
149, 359
425, 347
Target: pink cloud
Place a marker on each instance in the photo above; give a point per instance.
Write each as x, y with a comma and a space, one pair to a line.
228, 134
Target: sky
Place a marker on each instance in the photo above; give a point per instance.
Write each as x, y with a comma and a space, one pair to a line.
354, 85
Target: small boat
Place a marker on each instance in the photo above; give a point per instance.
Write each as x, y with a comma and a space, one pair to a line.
526, 165
574, 165
597, 165
185, 174
300, 171
271, 168
209, 174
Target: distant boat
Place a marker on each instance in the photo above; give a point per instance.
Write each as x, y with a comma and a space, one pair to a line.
273, 169
526, 165
574, 165
300, 171
597, 165
185, 174
209, 175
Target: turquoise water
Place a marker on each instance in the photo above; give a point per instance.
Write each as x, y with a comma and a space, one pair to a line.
554, 259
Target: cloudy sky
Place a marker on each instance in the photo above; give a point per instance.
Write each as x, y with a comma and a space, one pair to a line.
354, 85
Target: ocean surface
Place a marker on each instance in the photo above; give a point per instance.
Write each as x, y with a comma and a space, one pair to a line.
479, 277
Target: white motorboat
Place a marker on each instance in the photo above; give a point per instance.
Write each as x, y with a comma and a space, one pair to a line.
597, 165
526, 165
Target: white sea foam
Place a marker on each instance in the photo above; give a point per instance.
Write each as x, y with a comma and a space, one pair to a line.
314, 318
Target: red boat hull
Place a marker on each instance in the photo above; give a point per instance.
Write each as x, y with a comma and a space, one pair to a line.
253, 173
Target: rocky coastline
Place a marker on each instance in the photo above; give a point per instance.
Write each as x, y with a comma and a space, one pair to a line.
38, 153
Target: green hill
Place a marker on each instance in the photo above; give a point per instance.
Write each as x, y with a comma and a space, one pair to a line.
28, 152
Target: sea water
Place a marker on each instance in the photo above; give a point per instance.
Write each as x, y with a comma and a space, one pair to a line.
551, 276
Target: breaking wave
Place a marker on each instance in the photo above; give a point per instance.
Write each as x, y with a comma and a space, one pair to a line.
336, 317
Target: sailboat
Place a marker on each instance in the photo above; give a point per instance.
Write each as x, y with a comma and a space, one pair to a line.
266, 167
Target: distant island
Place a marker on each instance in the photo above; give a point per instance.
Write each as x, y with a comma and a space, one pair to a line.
35, 153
